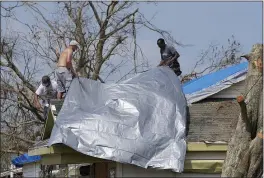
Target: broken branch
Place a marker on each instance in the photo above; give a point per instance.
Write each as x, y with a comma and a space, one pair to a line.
243, 109
246, 56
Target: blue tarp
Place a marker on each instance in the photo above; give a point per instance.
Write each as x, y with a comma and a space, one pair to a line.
23, 159
212, 78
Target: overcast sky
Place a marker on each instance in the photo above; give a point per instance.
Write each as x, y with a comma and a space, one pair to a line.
196, 23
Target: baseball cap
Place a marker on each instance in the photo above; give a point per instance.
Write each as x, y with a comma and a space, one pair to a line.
45, 80
75, 43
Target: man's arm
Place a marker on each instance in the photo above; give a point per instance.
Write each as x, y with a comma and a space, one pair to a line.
176, 55
69, 62
162, 62
170, 60
36, 99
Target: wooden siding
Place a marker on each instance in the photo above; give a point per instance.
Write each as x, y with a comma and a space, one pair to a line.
231, 92
31, 170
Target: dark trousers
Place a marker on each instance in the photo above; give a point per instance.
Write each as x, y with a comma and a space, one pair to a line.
45, 112
176, 67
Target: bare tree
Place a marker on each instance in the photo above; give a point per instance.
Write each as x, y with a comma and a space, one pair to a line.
104, 30
20, 121
245, 150
214, 58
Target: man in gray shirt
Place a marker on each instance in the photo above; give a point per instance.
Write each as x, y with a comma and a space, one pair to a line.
169, 56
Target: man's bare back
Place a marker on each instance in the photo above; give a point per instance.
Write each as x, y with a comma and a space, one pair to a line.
65, 72
65, 58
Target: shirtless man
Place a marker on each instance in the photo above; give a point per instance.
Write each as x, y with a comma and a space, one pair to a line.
65, 72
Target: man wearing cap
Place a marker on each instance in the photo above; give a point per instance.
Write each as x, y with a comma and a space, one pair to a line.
65, 72
169, 56
47, 90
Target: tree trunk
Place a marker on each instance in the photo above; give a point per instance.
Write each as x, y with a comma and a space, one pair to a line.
244, 156
99, 59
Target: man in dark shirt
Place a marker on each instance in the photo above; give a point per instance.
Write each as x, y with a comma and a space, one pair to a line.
169, 56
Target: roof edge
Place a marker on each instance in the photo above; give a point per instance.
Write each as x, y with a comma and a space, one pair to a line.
191, 147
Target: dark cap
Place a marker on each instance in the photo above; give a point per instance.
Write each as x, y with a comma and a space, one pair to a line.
45, 80
161, 41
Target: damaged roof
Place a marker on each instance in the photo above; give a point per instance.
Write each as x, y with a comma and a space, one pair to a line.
210, 120
212, 83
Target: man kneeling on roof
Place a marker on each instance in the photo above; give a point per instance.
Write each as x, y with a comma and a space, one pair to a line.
47, 90
65, 72
169, 56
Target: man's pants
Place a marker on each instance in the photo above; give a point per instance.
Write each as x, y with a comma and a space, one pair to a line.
177, 70
63, 78
176, 67
45, 112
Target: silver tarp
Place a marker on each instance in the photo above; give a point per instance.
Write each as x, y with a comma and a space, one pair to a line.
140, 121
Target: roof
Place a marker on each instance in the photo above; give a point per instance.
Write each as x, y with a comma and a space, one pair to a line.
214, 124
207, 85
24, 159
211, 121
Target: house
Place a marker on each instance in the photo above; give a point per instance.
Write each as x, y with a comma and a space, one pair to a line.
7, 169
30, 166
212, 118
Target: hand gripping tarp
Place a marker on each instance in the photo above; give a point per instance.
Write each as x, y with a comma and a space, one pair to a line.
140, 121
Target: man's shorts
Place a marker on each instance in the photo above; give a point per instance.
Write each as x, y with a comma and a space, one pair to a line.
64, 78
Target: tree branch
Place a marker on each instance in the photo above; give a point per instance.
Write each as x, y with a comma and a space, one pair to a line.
109, 13
95, 13
12, 151
243, 109
12, 66
122, 26
46, 20
247, 57
24, 140
30, 107
118, 41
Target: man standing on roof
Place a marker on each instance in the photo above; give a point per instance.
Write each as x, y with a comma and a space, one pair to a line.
169, 56
47, 90
65, 72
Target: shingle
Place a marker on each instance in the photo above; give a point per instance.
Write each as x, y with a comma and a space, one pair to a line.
213, 120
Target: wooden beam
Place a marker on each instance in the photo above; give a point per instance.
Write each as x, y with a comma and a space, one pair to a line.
190, 166
69, 159
203, 166
193, 146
